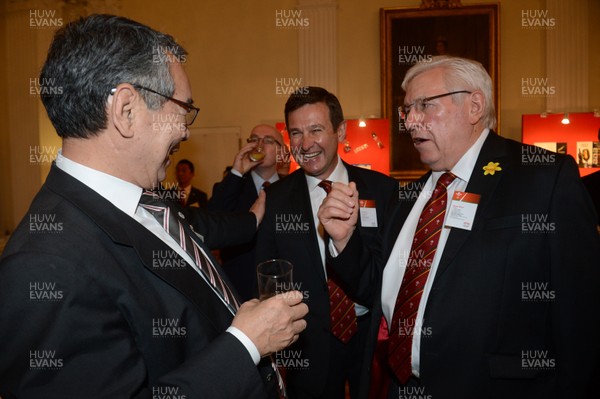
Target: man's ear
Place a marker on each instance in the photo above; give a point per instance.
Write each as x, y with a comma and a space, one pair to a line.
341, 132
124, 101
476, 107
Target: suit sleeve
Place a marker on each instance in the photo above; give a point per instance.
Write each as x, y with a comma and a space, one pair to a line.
575, 274
76, 341
360, 265
226, 194
223, 229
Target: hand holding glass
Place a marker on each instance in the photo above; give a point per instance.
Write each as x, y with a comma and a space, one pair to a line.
274, 277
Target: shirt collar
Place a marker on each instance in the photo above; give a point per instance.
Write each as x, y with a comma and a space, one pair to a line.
122, 194
464, 167
258, 181
339, 174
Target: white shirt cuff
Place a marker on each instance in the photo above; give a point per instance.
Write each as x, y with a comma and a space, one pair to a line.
332, 251
247, 342
236, 172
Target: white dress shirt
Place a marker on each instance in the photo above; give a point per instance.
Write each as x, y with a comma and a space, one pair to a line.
396, 264
317, 195
258, 181
126, 197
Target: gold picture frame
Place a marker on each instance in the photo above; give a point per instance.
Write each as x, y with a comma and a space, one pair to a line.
412, 34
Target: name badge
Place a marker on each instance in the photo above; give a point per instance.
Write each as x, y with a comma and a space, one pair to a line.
368, 213
462, 210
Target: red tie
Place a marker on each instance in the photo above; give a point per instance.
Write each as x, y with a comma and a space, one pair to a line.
424, 245
341, 308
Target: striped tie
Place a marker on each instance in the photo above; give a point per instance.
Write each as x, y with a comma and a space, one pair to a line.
341, 309
421, 256
172, 221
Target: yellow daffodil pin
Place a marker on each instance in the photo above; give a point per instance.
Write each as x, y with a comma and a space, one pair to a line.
491, 168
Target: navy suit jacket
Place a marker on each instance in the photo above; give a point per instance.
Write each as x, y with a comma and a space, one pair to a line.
90, 309
237, 194
514, 309
288, 231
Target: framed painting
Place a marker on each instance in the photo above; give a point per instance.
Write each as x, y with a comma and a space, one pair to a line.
410, 35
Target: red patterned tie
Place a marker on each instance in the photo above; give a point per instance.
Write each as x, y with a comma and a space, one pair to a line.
423, 249
341, 308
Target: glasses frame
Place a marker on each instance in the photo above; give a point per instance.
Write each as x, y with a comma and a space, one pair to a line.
259, 139
404, 110
191, 110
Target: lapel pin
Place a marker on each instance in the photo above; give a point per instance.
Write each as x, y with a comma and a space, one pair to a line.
491, 168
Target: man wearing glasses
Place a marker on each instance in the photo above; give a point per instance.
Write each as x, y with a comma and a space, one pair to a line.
237, 192
487, 273
108, 290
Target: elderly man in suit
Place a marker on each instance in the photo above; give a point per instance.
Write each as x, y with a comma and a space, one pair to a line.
487, 272
329, 352
238, 190
107, 290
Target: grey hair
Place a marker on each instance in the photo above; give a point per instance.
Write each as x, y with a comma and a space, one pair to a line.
90, 56
460, 74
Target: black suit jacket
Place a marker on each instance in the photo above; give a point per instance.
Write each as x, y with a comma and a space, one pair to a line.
505, 289
197, 198
592, 183
288, 232
90, 309
235, 193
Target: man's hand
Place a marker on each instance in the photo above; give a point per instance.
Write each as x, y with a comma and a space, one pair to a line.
339, 213
242, 162
274, 323
258, 208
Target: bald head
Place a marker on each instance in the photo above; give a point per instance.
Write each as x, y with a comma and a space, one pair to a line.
267, 130
271, 143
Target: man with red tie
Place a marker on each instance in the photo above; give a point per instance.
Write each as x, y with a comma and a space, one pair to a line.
329, 353
487, 271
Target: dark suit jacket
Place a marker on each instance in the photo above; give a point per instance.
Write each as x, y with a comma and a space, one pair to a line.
486, 315
592, 183
88, 312
237, 194
288, 232
198, 198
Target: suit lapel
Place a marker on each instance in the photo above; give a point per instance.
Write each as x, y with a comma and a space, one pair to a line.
186, 280
363, 188
124, 230
493, 150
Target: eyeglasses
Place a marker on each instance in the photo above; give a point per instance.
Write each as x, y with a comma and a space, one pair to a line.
420, 104
192, 111
268, 140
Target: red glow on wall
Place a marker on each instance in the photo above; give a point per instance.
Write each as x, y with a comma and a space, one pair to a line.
367, 147
584, 127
